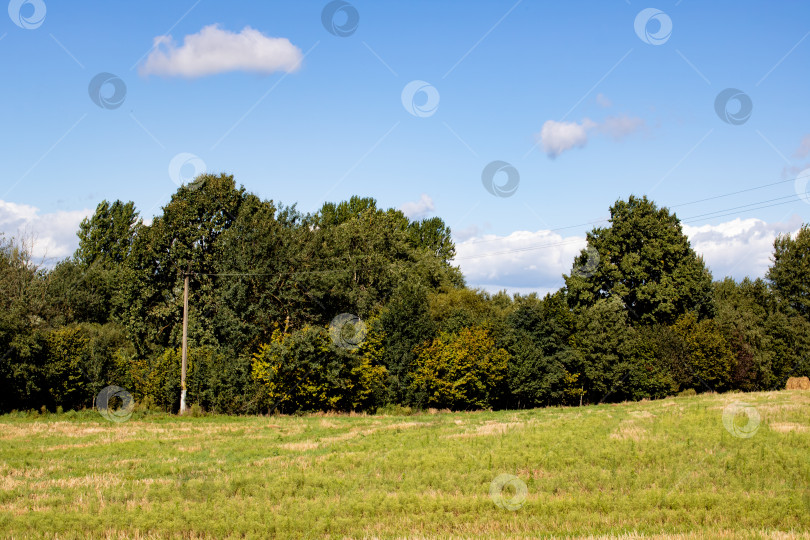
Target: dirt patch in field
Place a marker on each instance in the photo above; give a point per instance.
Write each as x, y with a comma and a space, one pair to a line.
91, 480
354, 433
629, 430
785, 427
195, 448
779, 407
28, 473
68, 429
300, 446
266, 461
403, 425
7, 483
345, 436
489, 429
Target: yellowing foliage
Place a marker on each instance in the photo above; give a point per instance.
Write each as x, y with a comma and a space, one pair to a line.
462, 370
304, 370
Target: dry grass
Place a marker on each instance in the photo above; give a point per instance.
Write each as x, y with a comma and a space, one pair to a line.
635, 470
301, 446
629, 430
798, 383
489, 428
785, 427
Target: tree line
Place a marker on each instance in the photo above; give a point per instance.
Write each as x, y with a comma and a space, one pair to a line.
357, 308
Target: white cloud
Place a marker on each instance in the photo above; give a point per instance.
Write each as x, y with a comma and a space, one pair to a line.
214, 50
603, 101
558, 137
526, 261
738, 248
493, 262
804, 148
418, 209
53, 235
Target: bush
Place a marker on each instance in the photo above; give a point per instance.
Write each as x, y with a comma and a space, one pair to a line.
196, 411
304, 371
460, 371
709, 359
394, 410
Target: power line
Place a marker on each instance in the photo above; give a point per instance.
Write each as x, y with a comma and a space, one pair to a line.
749, 210
700, 217
710, 214
733, 193
714, 197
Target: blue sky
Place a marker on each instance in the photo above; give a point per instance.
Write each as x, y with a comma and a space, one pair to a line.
568, 93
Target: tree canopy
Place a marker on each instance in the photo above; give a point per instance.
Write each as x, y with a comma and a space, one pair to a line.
356, 307
645, 261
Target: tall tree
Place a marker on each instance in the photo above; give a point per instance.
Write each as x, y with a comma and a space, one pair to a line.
433, 235
790, 273
108, 234
184, 238
643, 259
542, 360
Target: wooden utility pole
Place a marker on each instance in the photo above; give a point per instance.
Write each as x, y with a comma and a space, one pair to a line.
185, 348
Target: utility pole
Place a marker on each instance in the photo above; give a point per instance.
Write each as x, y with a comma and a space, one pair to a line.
185, 348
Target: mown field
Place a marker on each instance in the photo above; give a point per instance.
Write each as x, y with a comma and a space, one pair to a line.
668, 468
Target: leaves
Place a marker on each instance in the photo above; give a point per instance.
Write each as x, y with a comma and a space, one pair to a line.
460, 371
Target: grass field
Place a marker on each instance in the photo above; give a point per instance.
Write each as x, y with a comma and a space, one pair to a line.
668, 468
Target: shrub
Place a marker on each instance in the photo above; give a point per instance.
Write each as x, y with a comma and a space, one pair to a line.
394, 410
304, 371
709, 358
463, 370
196, 411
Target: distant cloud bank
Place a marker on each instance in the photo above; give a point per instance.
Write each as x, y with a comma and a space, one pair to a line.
526, 261
213, 50
52, 235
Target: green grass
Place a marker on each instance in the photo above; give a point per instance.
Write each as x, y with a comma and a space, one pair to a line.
666, 467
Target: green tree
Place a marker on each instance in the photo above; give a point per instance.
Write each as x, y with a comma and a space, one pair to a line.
24, 305
790, 273
333, 214
184, 238
304, 370
460, 371
606, 340
108, 234
405, 323
543, 369
644, 259
710, 359
87, 288
359, 262
769, 339
453, 308
433, 235
263, 258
